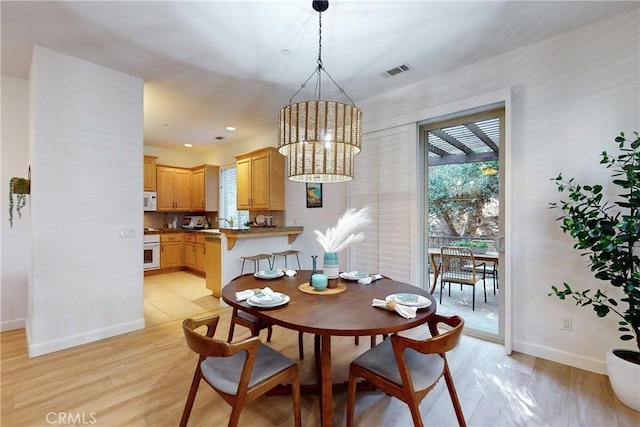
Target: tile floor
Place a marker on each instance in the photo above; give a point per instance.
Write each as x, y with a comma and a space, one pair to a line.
176, 295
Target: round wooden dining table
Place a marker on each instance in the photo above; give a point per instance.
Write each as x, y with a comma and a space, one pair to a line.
348, 313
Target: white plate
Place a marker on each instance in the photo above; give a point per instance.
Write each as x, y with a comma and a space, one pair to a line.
281, 300
265, 275
353, 275
410, 300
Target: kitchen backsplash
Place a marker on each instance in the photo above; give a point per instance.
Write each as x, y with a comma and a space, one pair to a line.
160, 220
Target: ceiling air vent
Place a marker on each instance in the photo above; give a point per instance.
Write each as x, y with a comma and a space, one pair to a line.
219, 138
397, 70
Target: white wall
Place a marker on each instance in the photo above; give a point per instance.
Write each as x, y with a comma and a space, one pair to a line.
87, 145
571, 95
15, 263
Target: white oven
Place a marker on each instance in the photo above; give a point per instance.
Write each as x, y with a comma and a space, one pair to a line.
151, 251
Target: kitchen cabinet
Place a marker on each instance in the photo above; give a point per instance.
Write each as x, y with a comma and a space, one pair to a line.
150, 173
171, 250
194, 252
173, 188
260, 184
204, 188
213, 264
201, 253
189, 253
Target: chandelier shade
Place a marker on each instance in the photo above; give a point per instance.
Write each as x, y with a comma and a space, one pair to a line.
320, 138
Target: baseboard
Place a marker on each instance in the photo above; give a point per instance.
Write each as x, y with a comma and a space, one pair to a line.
10, 325
570, 359
76, 340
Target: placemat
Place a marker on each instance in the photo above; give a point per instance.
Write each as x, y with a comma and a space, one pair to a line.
308, 289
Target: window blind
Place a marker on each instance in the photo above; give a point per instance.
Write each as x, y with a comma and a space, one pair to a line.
228, 197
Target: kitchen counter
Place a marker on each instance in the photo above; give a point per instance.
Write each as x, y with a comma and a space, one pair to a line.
232, 234
181, 230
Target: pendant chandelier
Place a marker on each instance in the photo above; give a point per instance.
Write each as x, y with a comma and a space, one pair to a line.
320, 138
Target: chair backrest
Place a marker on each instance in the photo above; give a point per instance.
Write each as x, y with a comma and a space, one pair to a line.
439, 343
458, 264
206, 345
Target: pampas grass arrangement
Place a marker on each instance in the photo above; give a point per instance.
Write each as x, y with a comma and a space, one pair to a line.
345, 233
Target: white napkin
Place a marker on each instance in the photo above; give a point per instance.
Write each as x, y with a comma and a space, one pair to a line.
246, 294
290, 273
369, 279
402, 310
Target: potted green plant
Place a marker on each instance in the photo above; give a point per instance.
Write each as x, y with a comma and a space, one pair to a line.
477, 246
608, 232
18, 187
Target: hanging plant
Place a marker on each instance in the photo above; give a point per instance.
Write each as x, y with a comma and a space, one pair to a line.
19, 187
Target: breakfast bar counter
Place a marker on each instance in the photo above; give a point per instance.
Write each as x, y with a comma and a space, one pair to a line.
232, 234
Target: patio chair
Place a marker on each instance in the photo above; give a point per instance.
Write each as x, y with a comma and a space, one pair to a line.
409, 369
239, 372
458, 265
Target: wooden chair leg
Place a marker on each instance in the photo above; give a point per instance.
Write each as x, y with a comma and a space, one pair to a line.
373, 341
415, 411
192, 397
232, 326
269, 332
454, 397
356, 340
351, 399
295, 395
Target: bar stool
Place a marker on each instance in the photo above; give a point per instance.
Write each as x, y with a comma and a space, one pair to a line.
285, 254
256, 261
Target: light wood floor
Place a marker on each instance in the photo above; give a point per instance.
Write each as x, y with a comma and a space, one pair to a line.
142, 379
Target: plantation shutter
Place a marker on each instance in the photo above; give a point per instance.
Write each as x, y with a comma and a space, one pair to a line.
383, 182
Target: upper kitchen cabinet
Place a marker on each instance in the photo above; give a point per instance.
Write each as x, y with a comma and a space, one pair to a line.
174, 189
204, 188
261, 180
150, 173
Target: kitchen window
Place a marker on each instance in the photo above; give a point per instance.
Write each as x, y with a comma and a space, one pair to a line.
228, 198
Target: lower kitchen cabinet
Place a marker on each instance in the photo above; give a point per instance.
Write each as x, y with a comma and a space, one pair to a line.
201, 253
170, 250
194, 252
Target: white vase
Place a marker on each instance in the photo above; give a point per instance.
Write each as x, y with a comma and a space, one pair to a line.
624, 377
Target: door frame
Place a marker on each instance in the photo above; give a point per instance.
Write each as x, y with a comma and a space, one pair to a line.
500, 99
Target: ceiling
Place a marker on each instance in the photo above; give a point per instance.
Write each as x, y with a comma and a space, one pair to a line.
208, 65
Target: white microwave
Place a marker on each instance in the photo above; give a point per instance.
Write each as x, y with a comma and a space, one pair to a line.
150, 201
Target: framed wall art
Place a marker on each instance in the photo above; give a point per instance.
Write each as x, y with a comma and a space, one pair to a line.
314, 195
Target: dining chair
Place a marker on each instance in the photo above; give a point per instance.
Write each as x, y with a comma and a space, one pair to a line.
458, 265
409, 369
239, 372
255, 325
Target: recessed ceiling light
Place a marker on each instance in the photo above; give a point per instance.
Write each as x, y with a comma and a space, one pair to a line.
286, 52
231, 128
188, 145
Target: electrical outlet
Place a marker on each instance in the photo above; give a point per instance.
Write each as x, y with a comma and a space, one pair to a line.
565, 323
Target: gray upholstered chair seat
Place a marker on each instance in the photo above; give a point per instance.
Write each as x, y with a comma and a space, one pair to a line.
421, 361
425, 369
224, 372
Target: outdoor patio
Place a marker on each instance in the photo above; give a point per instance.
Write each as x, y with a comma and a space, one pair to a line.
485, 316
